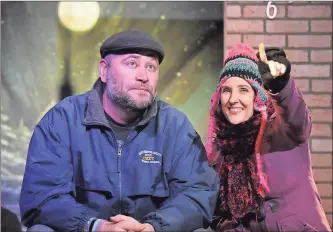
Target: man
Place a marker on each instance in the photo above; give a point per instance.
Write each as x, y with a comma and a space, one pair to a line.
116, 158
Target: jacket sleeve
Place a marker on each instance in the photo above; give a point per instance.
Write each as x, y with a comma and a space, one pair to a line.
47, 194
193, 189
294, 111
287, 95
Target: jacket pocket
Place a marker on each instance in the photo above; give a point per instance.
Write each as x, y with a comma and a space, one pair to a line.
29, 217
292, 223
97, 196
91, 178
87, 195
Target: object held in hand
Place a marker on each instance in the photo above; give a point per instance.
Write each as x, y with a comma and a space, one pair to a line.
277, 69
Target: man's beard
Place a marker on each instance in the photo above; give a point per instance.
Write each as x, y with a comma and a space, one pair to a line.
124, 100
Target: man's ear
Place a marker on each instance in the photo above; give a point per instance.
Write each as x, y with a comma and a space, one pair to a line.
103, 69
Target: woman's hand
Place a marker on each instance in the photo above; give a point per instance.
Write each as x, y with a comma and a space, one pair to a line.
277, 69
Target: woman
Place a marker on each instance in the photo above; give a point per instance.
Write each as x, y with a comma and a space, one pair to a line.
258, 142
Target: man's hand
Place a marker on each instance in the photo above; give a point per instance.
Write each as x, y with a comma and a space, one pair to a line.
277, 69
106, 226
148, 228
124, 223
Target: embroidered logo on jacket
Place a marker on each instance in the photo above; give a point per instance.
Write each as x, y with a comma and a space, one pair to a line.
151, 157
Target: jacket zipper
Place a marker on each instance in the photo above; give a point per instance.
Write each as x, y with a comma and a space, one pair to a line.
119, 175
46, 200
119, 155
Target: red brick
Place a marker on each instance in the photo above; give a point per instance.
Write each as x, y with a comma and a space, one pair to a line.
302, 84
325, 190
233, 11
310, 70
321, 55
317, 100
246, 2
286, 26
309, 12
322, 174
293, 2
319, 160
226, 52
259, 11
321, 145
297, 55
309, 41
233, 39
268, 40
240, 25
321, 130
327, 205
322, 86
321, 26
321, 115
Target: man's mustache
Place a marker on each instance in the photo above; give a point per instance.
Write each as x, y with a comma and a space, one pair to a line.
143, 87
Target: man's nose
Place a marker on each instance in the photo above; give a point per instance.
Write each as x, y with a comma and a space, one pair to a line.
141, 74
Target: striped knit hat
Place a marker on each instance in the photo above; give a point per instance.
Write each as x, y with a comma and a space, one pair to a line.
241, 61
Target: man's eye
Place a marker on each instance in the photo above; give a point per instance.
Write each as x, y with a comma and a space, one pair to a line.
132, 64
151, 67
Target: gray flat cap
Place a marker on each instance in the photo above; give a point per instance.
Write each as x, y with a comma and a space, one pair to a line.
132, 41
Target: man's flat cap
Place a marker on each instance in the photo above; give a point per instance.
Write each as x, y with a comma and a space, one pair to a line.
132, 41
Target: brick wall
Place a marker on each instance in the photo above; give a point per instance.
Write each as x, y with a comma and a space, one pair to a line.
304, 30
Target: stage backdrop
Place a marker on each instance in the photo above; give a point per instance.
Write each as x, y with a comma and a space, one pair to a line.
51, 50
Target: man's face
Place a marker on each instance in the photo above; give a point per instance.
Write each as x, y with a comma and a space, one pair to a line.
131, 80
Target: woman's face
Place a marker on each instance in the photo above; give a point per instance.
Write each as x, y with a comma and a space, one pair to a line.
237, 100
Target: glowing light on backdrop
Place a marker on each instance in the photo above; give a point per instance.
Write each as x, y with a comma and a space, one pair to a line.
78, 16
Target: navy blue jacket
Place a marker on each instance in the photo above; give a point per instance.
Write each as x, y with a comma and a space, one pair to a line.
76, 170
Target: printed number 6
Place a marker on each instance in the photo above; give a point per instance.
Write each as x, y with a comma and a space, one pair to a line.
268, 8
